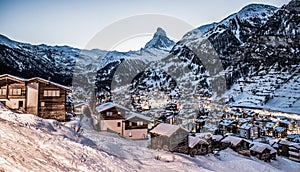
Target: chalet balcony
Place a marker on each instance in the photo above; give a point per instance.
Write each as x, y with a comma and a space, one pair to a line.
127, 127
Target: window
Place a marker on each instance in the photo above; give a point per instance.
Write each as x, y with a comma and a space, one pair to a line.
2, 91
119, 124
15, 91
139, 123
130, 123
109, 113
51, 93
42, 104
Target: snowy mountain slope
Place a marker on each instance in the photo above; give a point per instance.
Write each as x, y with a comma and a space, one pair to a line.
56, 63
263, 46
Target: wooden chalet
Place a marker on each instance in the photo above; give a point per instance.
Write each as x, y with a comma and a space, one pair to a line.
235, 143
216, 141
135, 126
294, 152
35, 96
279, 132
111, 117
227, 126
170, 138
289, 149
198, 146
249, 131
263, 151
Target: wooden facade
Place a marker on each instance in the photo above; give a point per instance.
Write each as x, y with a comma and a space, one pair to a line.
136, 127
199, 146
170, 138
263, 151
35, 96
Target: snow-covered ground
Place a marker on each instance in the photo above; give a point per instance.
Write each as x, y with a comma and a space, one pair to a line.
29, 143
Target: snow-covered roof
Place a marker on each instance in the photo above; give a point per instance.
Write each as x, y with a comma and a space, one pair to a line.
206, 135
232, 139
246, 126
36, 78
226, 122
166, 129
260, 147
13, 77
131, 115
50, 82
279, 129
242, 120
296, 145
270, 124
286, 122
217, 137
285, 142
193, 141
109, 105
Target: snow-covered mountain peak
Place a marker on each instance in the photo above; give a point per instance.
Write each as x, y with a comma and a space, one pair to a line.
160, 41
160, 32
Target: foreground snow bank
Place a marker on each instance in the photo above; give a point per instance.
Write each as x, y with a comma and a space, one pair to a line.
28, 143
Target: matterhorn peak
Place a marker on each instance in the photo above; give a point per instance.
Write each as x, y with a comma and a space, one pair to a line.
160, 32
160, 41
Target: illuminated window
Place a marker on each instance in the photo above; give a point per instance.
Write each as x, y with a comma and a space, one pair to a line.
51, 93
139, 123
15, 91
42, 104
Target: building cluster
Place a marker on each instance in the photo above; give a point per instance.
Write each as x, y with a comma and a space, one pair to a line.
241, 132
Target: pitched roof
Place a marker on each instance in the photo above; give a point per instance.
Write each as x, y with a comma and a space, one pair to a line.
50, 82
131, 115
35, 78
217, 137
246, 126
109, 105
166, 129
13, 77
233, 140
260, 147
193, 141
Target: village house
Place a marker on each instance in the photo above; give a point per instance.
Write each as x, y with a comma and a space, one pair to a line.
135, 126
111, 116
36, 96
170, 138
294, 152
289, 149
279, 132
235, 143
198, 146
118, 119
263, 151
227, 126
249, 131
216, 142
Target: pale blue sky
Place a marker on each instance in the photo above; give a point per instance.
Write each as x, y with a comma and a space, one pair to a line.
75, 22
